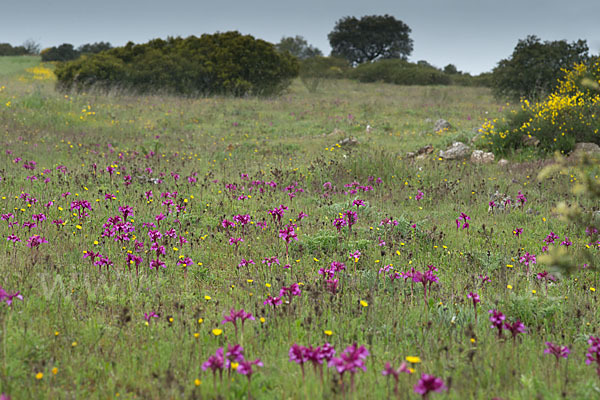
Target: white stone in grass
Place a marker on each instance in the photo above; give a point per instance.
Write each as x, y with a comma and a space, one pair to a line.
481, 157
457, 151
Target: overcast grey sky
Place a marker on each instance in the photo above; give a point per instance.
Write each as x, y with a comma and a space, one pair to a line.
471, 34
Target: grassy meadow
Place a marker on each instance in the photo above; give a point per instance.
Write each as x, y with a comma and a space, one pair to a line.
135, 224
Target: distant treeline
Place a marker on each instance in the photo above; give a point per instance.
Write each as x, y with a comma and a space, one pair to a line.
397, 71
29, 48
66, 51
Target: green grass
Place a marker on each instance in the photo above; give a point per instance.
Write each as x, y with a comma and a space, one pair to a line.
88, 322
13, 65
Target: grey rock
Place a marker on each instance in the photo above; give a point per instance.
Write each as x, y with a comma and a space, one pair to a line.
503, 163
481, 157
587, 147
584, 148
457, 151
421, 152
349, 141
441, 125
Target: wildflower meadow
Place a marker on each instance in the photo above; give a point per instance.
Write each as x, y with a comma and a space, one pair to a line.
155, 246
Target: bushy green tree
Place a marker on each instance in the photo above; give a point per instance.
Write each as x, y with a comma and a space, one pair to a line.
298, 47
451, 69
93, 48
425, 63
224, 63
64, 52
534, 67
370, 38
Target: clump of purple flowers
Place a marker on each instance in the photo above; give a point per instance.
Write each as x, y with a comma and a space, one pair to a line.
475, 299
351, 360
270, 260
497, 320
521, 199
557, 351
287, 234
351, 219
315, 355
233, 241
8, 297
428, 384
245, 263
419, 195
329, 276
234, 316
551, 238
35, 240
221, 361
277, 213
216, 362
339, 223
566, 242
395, 372
298, 355
290, 292
148, 316
515, 328
273, 301
546, 277
527, 259
463, 221
517, 231
593, 353
426, 278
246, 367
358, 203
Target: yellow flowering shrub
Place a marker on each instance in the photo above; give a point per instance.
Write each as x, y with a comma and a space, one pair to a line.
565, 117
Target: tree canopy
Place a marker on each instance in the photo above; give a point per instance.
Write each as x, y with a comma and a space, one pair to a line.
66, 51
370, 38
298, 47
535, 66
94, 48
